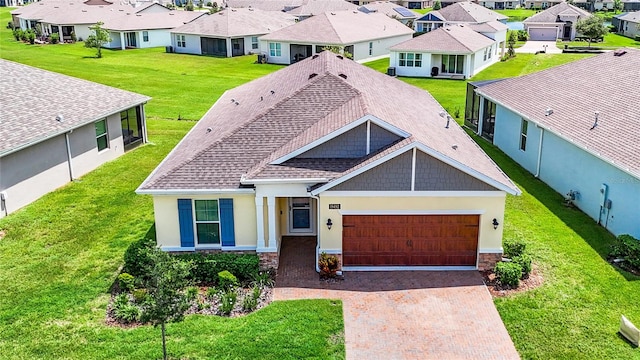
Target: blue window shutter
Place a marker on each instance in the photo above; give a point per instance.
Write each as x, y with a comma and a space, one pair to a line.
185, 219
227, 227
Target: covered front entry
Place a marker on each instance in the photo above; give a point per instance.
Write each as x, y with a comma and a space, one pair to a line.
410, 240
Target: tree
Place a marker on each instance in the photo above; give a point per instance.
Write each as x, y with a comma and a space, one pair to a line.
166, 301
513, 37
617, 6
189, 6
591, 28
98, 39
437, 5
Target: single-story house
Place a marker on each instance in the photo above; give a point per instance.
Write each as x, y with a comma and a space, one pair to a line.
629, 24
458, 13
365, 36
56, 128
131, 25
452, 52
556, 22
371, 167
392, 10
11, 3
310, 8
500, 4
266, 5
230, 32
630, 5
414, 4
583, 143
541, 4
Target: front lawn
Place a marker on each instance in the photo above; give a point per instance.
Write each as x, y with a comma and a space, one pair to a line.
611, 41
516, 14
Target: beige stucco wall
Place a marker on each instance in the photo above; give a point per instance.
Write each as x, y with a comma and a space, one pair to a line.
30, 173
168, 228
488, 207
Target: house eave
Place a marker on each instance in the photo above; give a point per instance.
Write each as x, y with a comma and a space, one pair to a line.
178, 192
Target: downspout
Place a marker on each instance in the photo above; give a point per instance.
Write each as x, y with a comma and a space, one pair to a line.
69, 158
539, 153
318, 232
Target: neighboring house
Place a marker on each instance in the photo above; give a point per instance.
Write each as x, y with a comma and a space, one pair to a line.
266, 5
541, 4
365, 36
56, 128
230, 32
140, 25
409, 4
366, 164
458, 13
309, 8
630, 5
583, 142
500, 4
629, 24
11, 3
392, 10
557, 22
456, 52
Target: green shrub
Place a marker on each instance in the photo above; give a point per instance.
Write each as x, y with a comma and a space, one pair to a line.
54, 38
212, 293
73, 36
136, 259
523, 35
192, 293
250, 301
508, 273
23, 35
18, 33
207, 266
126, 282
227, 280
139, 295
263, 279
628, 248
513, 248
127, 313
228, 302
10, 25
524, 261
120, 300
31, 36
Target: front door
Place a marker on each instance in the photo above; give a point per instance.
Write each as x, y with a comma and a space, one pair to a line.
567, 32
300, 215
130, 39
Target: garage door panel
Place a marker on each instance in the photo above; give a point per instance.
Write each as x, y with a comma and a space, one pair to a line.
417, 240
543, 34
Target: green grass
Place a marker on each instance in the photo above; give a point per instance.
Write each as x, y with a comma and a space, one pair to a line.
422, 11
516, 14
611, 41
62, 253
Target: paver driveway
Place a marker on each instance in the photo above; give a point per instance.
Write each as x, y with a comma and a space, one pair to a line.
404, 314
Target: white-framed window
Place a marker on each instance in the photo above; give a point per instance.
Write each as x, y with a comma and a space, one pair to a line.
410, 60
524, 126
453, 64
275, 49
485, 54
145, 36
490, 51
370, 48
207, 222
254, 42
181, 41
102, 135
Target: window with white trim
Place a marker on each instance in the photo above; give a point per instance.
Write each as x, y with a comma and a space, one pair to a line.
102, 136
207, 222
370, 48
254, 42
490, 51
524, 126
275, 49
485, 54
410, 60
181, 41
145, 36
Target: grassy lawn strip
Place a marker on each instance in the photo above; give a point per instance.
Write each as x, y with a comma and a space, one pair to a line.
611, 41
516, 14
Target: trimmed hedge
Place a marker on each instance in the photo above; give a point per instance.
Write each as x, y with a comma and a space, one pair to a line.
628, 248
513, 248
508, 273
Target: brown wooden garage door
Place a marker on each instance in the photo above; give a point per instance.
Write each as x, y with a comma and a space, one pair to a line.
409, 240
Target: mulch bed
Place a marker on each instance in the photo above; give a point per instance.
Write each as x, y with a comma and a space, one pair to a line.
534, 280
624, 266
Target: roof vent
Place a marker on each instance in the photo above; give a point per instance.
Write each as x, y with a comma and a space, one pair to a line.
237, 103
454, 146
314, 56
209, 130
60, 118
619, 52
595, 123
342, 76
340, 57
261, 98
548, 112
233, 100
448, 119
311, 76
333, 13
273, 92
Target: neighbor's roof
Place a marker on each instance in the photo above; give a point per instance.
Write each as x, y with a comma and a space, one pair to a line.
266, 5
237, 22
489, 27
467, 12
631, 17
31, 99
390, 9
341, 28
150, 21
551, 14
455, 39
612, 91
316, 7
251, 126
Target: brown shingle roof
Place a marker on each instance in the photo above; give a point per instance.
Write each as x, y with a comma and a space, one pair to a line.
390, 9
341, 28
550, 15
467, 12
631, 17
237, 22
575, 91
456, 39
258, 122
29, 107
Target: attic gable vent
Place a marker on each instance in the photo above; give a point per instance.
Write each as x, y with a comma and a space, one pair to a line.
311, 76
342, 75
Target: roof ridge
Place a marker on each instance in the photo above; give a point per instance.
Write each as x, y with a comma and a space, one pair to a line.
444, 28
333, 28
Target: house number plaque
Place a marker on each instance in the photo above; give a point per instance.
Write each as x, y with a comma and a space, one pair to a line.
334, 206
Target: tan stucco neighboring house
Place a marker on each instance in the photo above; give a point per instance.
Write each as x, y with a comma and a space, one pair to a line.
48, 142
230, 32
365, 36
556, 22
371, 167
